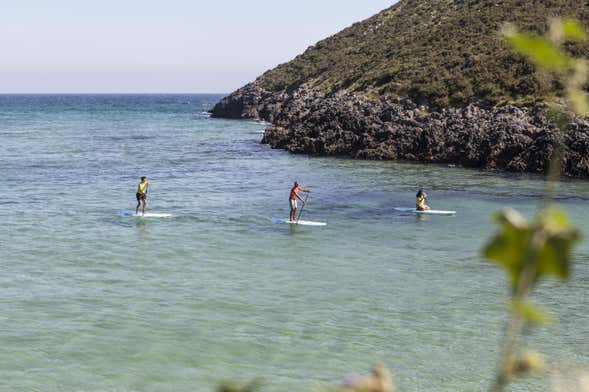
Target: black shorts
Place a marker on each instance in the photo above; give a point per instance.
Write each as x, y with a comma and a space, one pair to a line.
141, 196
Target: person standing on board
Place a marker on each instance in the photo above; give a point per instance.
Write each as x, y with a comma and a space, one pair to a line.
420, 201
294, 195
141, 195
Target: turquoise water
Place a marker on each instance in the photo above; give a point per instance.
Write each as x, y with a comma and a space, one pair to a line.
95, 301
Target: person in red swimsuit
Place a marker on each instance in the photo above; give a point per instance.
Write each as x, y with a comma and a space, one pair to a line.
294, 195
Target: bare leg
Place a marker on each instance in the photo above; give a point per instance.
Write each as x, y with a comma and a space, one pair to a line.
144, 205
137, 208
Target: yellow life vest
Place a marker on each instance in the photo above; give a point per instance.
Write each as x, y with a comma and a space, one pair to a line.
141, 188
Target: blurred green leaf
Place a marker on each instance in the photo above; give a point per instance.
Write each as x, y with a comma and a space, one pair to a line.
509, 246
554, 237
554, 220
576, 95
573, 30
541, 51
554, 256
253, 386
530, 312
578, 100
528, 362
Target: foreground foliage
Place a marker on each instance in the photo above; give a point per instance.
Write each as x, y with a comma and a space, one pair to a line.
530, 251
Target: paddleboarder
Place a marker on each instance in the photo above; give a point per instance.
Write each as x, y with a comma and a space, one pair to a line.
141, 195
294, 195
420, 201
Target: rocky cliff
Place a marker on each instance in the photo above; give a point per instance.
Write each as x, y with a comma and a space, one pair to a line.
423, 81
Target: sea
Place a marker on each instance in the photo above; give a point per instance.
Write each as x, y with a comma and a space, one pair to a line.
93, 300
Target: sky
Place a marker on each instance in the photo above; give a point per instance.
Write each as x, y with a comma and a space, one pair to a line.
163, 46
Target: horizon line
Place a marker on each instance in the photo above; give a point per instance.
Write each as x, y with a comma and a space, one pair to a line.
103, 93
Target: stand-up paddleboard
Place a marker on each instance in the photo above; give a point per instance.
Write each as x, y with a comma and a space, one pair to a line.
426, 212
299, 222
147, 214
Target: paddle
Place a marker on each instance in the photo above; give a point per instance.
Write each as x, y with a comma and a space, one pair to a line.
302, 208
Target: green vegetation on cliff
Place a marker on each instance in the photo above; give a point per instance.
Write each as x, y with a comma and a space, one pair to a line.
442, 52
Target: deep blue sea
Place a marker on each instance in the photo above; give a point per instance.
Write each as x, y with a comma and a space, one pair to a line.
94, 301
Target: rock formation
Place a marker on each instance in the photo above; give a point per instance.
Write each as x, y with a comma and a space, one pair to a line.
363, 93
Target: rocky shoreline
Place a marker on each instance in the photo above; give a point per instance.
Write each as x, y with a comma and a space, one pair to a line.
508, 138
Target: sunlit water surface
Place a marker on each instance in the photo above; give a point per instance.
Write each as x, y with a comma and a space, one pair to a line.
95, 301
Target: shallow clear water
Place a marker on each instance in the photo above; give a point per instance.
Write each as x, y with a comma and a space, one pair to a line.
92, 300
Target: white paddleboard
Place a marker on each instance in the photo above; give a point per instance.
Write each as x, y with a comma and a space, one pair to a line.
300, 222
426, 212
147, 214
